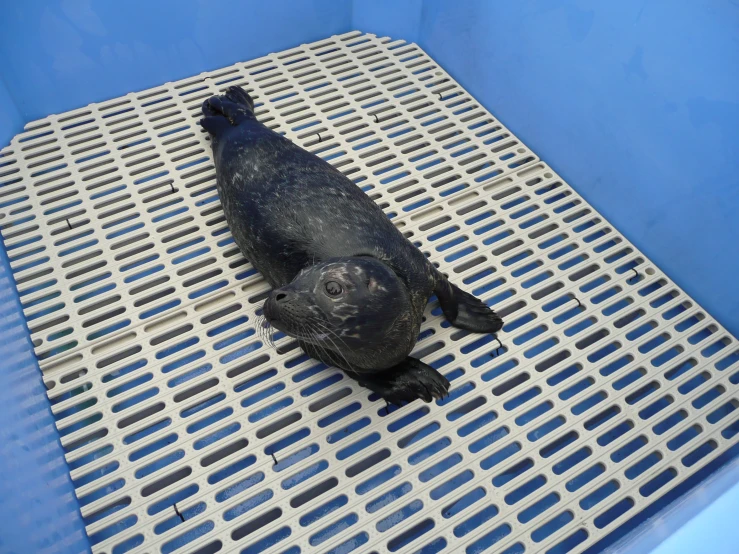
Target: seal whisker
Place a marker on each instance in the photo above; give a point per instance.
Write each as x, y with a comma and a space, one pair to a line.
319, 326
271, 337
265, 331
329, 332
335, 349
320, 346
304, 334
325, 352
322, 349
258, 327
262, 330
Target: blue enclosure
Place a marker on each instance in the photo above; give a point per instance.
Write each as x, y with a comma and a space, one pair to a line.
633, 102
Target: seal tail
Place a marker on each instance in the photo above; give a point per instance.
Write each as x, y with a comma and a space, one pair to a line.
228, 110
238, 95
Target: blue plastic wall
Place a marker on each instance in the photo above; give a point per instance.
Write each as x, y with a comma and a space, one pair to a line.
56, 55
11, 120
633, 102
38, 509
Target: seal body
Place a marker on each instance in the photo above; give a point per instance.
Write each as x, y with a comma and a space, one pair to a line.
345, 281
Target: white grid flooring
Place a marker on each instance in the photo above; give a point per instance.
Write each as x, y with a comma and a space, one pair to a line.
611, 386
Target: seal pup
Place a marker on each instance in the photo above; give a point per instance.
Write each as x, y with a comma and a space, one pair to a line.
345, 282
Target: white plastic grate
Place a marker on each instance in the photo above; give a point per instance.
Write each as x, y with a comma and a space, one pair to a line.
609, 386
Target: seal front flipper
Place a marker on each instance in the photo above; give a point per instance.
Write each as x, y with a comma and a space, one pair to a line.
465, 311
405, 382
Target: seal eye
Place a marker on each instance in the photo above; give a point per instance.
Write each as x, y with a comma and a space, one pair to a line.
333, 288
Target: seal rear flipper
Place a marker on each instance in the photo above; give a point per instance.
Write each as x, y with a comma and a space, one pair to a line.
405, 382
238, 95
465, 311
235, 106
215, 124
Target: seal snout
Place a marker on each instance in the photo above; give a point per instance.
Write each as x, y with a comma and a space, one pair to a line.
273, 303
284, 308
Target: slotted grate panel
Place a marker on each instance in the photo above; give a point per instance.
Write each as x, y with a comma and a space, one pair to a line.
185, 432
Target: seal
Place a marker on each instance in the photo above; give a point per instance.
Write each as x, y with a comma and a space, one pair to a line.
345, 282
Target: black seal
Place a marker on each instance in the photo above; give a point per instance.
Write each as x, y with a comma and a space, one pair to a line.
346, 283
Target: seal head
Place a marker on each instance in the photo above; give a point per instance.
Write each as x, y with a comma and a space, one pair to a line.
356, 306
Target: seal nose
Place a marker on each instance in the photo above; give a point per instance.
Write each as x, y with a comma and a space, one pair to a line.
281, 297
